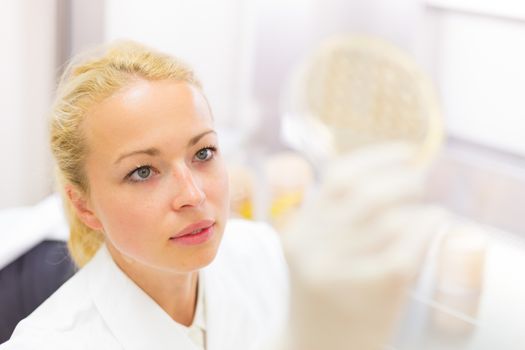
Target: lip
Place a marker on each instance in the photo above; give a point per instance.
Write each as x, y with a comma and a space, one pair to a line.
187, 237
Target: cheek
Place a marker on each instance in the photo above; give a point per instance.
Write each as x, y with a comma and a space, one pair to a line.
126, 221
218, 189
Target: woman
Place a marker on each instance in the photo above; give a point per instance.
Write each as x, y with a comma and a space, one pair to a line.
146, 190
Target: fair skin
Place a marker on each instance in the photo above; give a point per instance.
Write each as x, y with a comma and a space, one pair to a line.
153, 168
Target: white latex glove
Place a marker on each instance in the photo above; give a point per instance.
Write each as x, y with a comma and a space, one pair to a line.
355, 249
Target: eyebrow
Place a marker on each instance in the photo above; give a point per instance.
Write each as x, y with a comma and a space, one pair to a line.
155, 151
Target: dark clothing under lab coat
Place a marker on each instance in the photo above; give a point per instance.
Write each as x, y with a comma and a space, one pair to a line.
29, 280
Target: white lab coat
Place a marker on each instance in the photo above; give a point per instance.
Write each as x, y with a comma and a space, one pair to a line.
245, 295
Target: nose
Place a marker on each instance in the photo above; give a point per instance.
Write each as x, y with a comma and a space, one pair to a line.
188, 191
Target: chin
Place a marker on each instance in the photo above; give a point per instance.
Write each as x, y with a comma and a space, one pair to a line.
198, 259
206, 258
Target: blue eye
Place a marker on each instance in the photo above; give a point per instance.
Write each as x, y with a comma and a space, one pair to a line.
140, 174
205, 154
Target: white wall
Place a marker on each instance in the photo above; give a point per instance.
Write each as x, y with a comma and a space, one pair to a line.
479, 55
212, 36
86, 25
27, 68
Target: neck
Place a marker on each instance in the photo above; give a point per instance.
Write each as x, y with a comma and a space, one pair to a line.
175, 293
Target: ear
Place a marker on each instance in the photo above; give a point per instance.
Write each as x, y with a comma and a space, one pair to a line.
82, 208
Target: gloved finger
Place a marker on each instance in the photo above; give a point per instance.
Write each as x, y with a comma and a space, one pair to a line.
329, 224
360, 163
402, 238
396, 241
384, 191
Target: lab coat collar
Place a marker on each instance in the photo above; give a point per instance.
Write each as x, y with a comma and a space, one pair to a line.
136, 321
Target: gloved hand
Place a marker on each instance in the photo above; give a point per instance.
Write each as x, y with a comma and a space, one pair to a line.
355, 249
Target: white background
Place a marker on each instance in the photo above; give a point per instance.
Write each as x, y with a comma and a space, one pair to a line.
243, 51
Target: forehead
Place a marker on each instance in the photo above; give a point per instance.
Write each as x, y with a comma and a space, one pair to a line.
146, 113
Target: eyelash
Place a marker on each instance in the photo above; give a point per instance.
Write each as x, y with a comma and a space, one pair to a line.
213, 150
145, 166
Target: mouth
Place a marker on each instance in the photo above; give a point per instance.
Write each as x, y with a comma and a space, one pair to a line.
196, 233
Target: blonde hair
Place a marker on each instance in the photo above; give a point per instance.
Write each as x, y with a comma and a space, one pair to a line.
87, 81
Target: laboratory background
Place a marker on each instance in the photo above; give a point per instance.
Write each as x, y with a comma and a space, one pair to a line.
257, 61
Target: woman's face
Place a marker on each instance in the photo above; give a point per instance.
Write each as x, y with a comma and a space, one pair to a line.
158, 186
